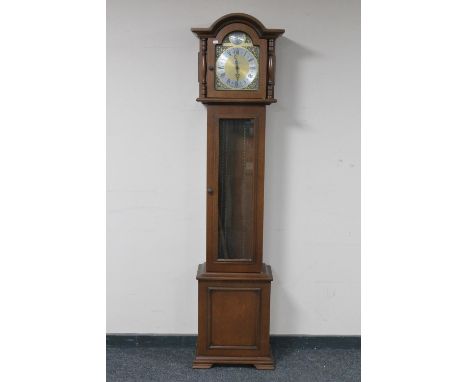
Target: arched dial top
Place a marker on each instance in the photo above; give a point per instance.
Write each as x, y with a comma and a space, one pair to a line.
237, 65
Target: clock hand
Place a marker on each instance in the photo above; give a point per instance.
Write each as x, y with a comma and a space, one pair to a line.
237, 68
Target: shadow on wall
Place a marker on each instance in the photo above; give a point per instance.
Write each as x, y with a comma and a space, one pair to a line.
290, 57
281, 118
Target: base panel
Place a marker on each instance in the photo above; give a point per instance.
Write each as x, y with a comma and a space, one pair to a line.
234, 319
260, 363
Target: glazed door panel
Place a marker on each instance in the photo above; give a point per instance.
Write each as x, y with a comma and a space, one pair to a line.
235, 188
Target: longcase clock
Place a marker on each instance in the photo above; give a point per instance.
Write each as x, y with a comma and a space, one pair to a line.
236, 75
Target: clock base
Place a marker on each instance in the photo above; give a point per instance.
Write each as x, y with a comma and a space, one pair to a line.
234, 319
260, 363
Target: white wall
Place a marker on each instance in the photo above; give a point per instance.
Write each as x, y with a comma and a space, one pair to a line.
156, 165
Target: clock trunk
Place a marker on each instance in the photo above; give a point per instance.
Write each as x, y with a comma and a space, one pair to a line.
235, 168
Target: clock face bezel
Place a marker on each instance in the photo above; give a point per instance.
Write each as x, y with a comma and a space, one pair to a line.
257, 93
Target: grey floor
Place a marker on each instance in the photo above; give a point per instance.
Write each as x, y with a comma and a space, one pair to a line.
294, 362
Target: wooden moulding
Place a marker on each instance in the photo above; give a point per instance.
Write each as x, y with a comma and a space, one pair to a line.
230, 18
258, 101
264, 275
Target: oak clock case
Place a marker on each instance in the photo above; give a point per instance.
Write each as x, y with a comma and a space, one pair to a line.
236, 68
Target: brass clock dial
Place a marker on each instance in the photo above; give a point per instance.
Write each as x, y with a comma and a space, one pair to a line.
236, 68
237, 63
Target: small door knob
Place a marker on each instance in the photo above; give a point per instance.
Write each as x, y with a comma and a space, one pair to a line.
210, 190
210, 67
